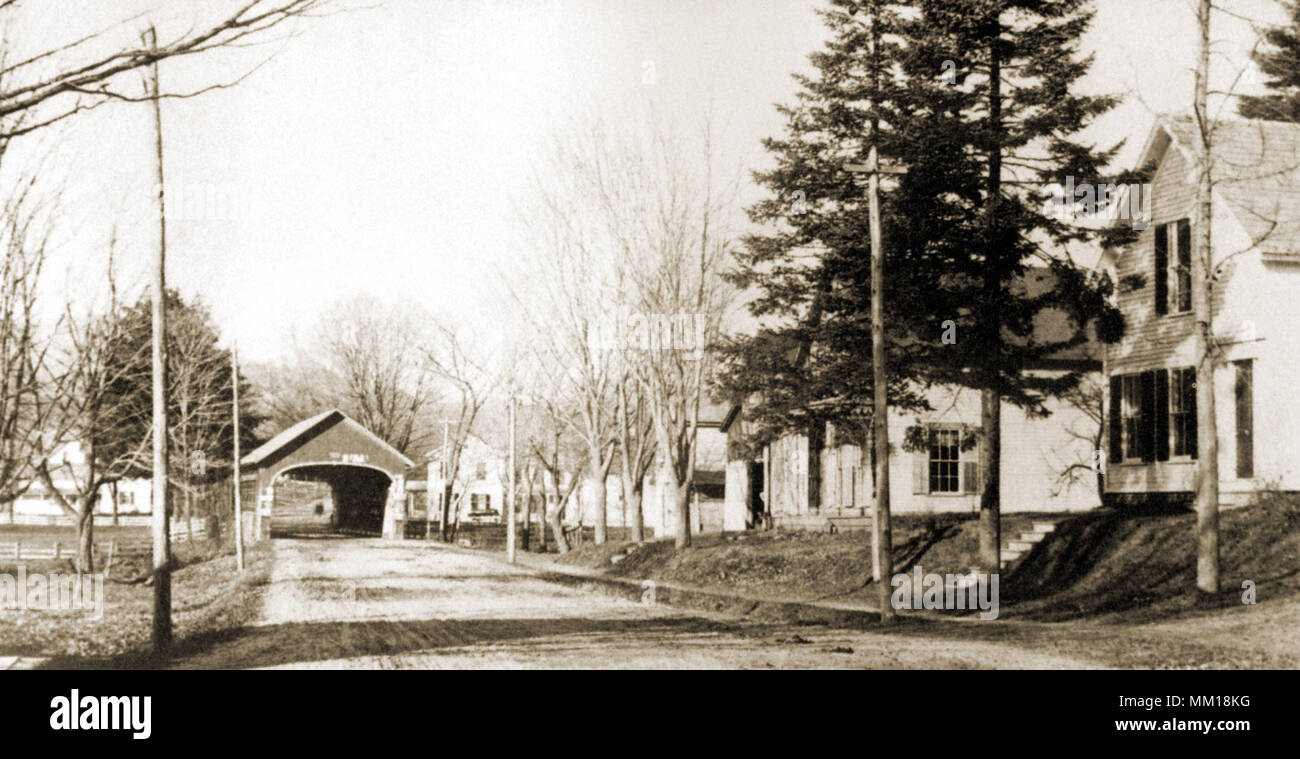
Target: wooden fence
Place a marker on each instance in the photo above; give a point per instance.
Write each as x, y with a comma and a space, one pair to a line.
38, 549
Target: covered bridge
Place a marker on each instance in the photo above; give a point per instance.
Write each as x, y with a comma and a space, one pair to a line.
323, 474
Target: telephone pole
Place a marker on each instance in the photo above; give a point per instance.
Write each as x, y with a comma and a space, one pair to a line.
881, 532
239, 512
162, 577
445, 484
510, 502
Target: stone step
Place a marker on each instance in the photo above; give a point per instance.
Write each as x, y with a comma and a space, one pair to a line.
1032, 537
1009, 555
1044, 526
1020, 545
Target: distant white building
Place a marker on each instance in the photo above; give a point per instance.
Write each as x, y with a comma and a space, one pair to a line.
122, 499
479, 488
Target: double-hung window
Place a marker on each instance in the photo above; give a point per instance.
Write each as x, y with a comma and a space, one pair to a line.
1173, 267
945, 460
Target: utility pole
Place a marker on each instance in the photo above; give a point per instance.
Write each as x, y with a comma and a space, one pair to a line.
162, 577
445, 484
510, 502
881, 532
1207, 436
239, 512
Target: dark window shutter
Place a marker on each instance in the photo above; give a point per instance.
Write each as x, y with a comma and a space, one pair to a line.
1147, 416
1189, 403
970, 470
1184, 265
1116, 432
1162, 415
1245, 420
1161, 272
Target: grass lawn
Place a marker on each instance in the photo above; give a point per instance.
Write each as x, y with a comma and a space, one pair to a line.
209, 598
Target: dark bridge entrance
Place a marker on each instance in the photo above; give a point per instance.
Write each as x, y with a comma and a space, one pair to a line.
316, 498
324, 474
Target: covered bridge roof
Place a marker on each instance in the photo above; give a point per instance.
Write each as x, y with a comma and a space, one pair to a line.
297, 435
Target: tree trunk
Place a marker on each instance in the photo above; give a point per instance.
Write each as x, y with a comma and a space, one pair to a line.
990, 399
1207, 432
599, 498
86, 536
632, 510
557, 530
443, 534
541, 521
990, 497
682, 495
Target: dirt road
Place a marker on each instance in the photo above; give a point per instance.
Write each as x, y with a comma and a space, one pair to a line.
354, 603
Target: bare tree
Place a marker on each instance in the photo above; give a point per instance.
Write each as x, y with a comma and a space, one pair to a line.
1089, 399
630, 237
46, 83
24, 345
561, 463
376, 352
678, 252
454, 360
91, 439
637, 451
569, 298
368, 360
1207, 476
200, 385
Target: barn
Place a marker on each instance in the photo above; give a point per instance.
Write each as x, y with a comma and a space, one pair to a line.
327, 473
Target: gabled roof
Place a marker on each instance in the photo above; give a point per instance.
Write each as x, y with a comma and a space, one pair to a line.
1256, 174
304, 428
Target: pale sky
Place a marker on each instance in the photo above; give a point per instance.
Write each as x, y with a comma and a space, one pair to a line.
385, 150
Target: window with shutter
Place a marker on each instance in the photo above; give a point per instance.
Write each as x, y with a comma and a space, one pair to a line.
1131, 400
1182, 411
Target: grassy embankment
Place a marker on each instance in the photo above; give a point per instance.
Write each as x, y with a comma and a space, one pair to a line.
1106, 565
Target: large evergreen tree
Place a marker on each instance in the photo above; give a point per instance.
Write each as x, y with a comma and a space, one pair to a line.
199, 392
977, 101
808, 270
981, 145
1279, 60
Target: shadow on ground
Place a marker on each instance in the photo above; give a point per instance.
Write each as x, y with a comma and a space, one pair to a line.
300, 642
